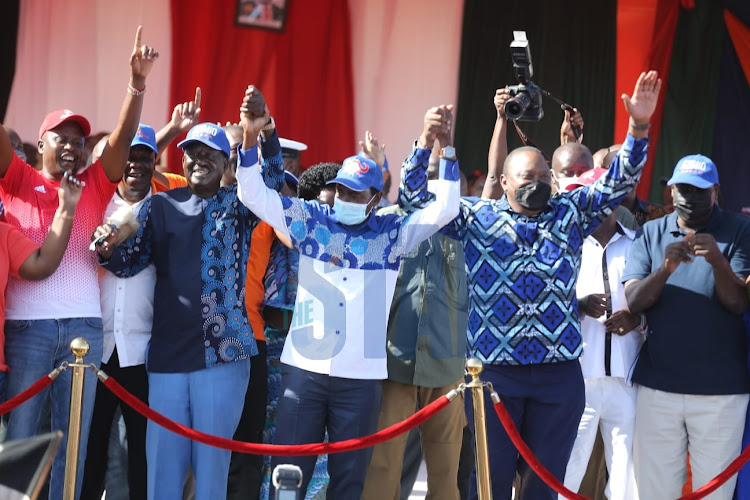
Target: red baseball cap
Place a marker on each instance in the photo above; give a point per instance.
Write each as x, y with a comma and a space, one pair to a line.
56, 118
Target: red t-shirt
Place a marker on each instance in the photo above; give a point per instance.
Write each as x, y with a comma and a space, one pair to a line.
15, 248
30, 203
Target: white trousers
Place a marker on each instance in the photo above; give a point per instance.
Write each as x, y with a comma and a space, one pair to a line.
611, 406
669, 425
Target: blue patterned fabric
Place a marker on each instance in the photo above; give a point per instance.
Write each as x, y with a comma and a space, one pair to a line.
281, 277
200, 248
523, 270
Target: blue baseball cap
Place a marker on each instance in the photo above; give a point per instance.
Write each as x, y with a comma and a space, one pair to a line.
359, 173
145, 136
209, 134
696, 170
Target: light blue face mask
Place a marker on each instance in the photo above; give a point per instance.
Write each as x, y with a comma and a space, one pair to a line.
349, 213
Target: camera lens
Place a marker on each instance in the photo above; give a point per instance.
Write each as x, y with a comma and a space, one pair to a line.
515, 106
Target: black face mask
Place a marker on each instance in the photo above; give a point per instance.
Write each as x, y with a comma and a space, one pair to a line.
694, 206
534, 195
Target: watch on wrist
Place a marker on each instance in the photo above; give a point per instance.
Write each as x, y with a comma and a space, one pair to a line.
448, 152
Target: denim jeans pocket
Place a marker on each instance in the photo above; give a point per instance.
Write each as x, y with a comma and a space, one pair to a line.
93, 323
16, 325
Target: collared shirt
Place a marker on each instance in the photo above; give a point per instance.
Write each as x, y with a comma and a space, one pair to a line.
694, 344
426, 341
347, 274
127, 304
624, 348
522, 270
200, 249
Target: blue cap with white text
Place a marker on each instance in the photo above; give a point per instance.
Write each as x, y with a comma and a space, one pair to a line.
209, 134
696, 170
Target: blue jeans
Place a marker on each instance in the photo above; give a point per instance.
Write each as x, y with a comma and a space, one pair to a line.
33, 348
208, 400
546, 403
309, 403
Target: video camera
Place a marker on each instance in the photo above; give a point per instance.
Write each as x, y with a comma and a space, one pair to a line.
525, 103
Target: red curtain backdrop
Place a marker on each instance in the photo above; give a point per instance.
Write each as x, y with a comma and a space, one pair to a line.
305, 71
740, 35
657, 30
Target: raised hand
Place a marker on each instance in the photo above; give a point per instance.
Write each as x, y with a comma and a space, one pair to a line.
444, 135
501, 97
435, 122
187, 114
372, 149
254, 114
566, 129
141, 61
642, 104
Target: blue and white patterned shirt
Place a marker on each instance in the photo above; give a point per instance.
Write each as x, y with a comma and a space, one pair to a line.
347, 274
200, 249
522, 271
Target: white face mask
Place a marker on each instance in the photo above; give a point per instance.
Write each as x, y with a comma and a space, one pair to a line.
349, 213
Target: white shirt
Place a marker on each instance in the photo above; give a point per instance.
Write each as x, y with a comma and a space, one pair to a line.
624, 348
127, 305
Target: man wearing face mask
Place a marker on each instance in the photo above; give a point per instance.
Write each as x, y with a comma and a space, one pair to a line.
692, 371
523, 255
334, 357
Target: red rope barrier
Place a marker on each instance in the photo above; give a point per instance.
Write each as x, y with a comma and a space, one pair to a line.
560, 488
720, 479
530, 458
29, 393
270, 449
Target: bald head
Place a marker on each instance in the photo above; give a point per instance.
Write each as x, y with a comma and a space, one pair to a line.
528, 153
571, 160
599, 157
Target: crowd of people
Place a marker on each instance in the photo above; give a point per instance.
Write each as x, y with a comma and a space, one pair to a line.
252, 299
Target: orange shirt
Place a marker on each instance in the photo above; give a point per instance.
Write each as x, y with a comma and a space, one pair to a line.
260, 254
175, 181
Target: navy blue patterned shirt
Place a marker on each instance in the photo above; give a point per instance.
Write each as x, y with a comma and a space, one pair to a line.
200, 248
522, 271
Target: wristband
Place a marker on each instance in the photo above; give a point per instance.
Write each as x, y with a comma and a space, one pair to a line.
642, 326
136, 92
643, 126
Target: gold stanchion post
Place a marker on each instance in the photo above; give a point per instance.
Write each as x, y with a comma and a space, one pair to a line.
79, 347
474, 367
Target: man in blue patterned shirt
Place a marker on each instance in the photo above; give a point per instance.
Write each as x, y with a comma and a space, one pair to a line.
334, 357
523, 254
198, 360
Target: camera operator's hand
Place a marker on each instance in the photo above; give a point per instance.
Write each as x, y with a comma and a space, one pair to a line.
501, 97
566, 129
642, 104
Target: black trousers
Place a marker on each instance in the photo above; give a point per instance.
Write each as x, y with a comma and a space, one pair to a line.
246, 471
135, 380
